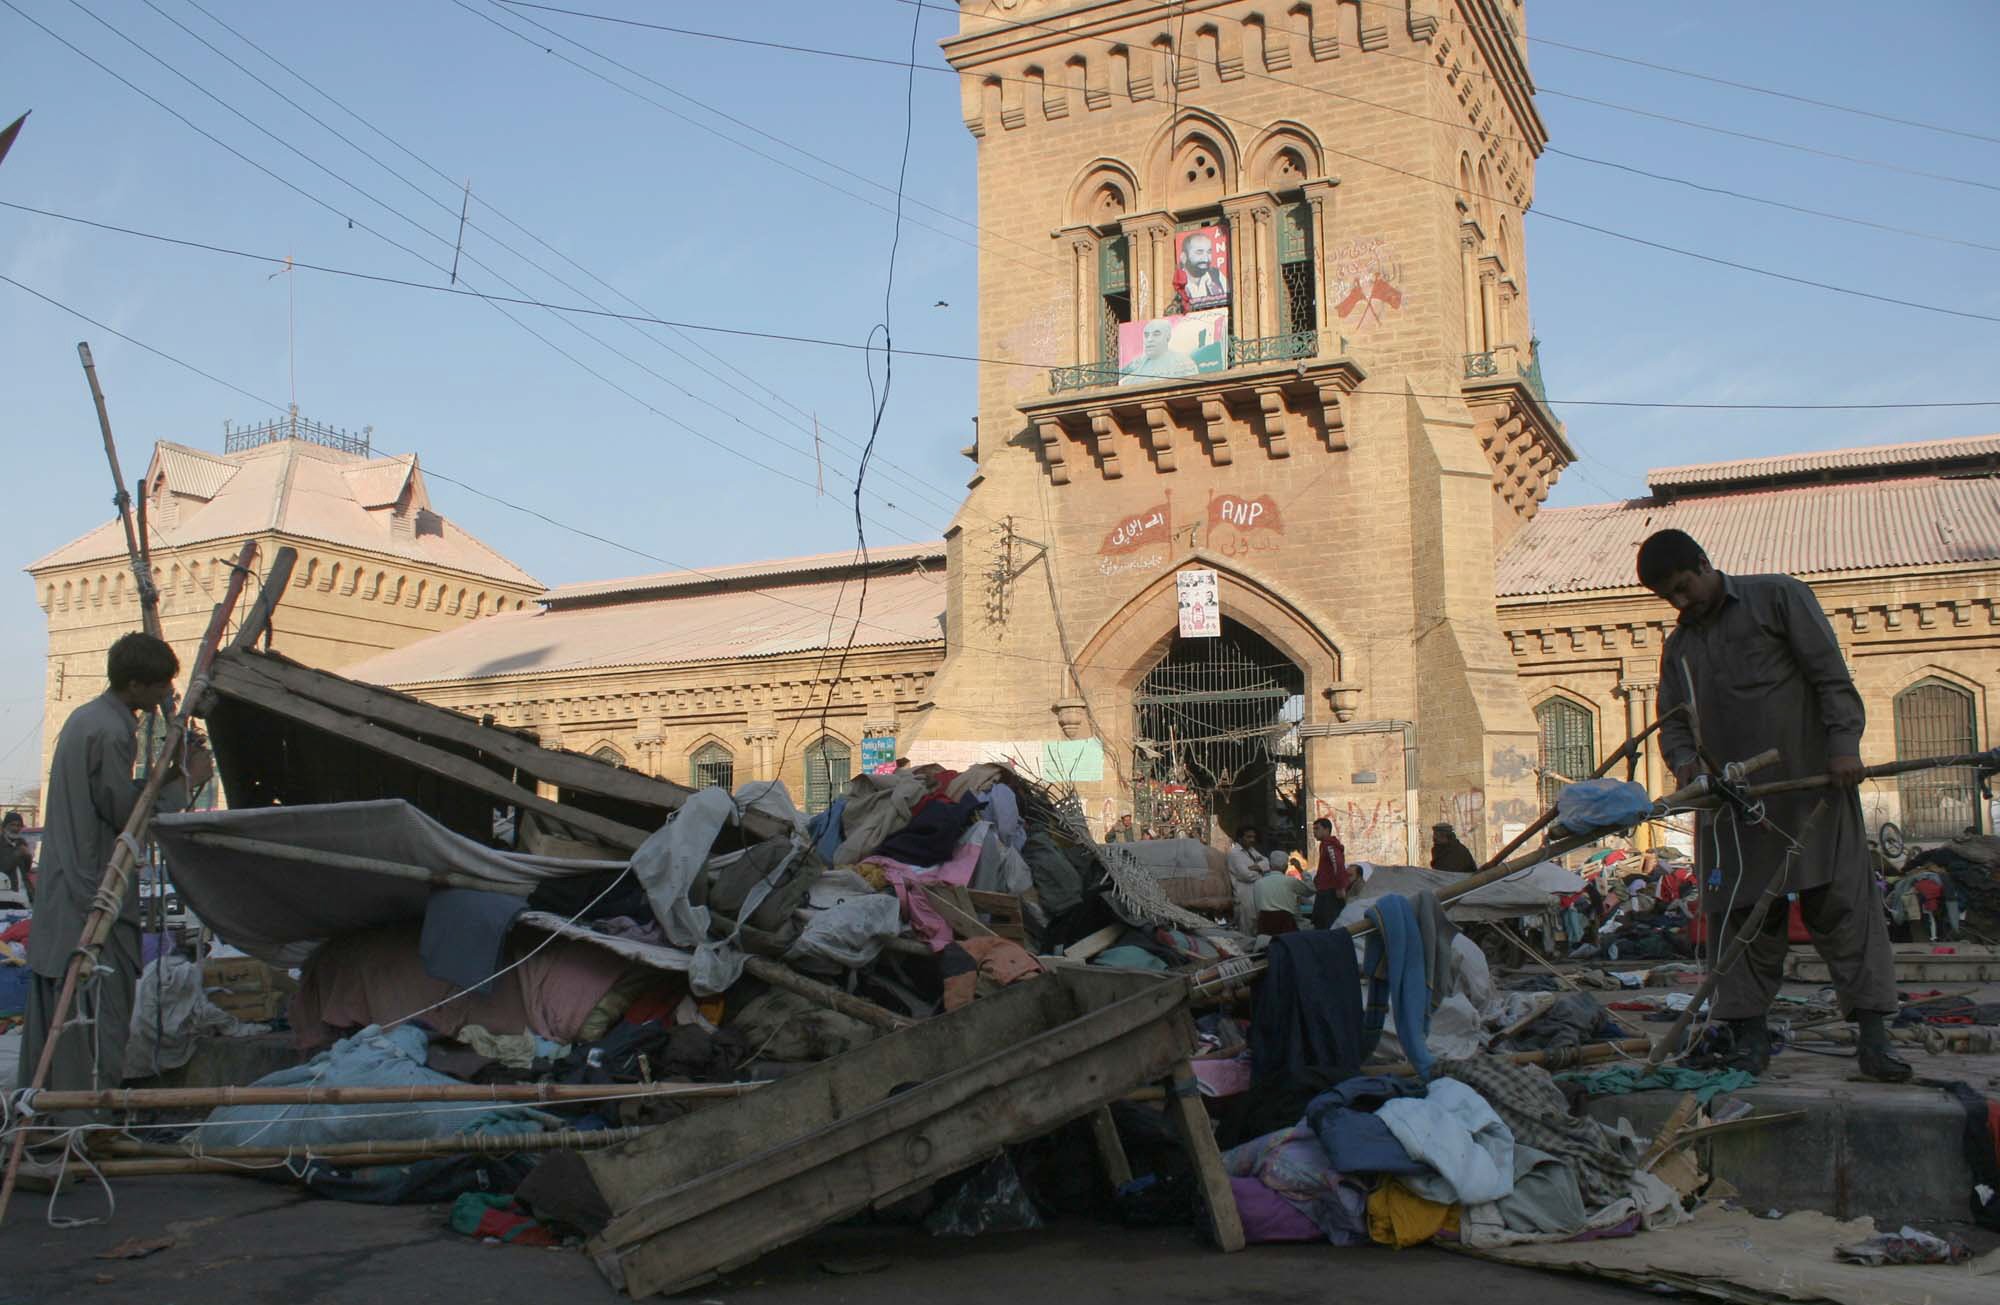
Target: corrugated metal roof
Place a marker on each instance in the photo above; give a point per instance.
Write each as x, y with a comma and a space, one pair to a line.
300, 489
785, 618
190, 471
1800, 530
783, 566
379, 483
1908, 458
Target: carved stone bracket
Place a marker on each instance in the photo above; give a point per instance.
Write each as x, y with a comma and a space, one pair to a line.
1104, 437
1215, 426
1271, 408
1160, 436
1050, 432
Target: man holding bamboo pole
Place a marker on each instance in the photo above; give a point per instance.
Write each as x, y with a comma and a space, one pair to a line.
1757, 664
91, 795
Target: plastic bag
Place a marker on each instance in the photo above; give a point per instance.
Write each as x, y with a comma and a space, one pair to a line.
1591, 804
991, 1199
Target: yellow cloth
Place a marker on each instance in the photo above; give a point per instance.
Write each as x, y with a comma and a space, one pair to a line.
1399, 1217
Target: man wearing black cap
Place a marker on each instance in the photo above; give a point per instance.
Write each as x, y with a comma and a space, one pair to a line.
15, 859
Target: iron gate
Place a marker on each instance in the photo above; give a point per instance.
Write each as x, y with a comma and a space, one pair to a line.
1217, 739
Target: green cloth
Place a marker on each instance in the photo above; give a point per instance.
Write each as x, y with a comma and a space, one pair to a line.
1706, 1084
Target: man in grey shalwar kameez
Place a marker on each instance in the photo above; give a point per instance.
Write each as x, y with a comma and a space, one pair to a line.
90, 796
1758, 663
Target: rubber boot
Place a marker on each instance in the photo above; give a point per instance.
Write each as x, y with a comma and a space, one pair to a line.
1877, 1060
1751, 1045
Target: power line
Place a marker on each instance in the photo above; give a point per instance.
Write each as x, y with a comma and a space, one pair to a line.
945, 355
920, 487
496, 301
1760, 90
1455, 125
1538, 88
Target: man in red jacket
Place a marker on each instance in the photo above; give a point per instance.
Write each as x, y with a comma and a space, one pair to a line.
1332, 880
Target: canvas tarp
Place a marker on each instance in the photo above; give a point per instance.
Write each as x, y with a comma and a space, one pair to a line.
279, 910
1527, 893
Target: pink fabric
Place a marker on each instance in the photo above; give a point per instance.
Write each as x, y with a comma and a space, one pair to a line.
1223, 1078
377, 977
908, 880
1269, 1217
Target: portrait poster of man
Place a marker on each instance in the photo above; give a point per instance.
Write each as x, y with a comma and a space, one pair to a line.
1172, 348
1202, 255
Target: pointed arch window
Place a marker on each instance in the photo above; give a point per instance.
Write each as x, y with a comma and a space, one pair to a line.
1935, 718
829, 764
1569, 745
712, 766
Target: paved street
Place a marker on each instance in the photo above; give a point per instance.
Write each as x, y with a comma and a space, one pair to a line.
241, 1242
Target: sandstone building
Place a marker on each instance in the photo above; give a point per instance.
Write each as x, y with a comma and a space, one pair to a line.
377, 568
1253, 302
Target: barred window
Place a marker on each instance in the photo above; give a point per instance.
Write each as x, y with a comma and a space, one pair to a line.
1114, 288
1937, 719
609, 755
1297, 298
713, 766
1569, 745
828, 766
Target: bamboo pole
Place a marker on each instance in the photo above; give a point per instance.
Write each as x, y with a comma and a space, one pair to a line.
144, 1099
567, 1139
135, 544
1628, 747
117, 875
1594, 1054
1886, 770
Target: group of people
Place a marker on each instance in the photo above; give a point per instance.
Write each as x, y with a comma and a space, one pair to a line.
1273, 894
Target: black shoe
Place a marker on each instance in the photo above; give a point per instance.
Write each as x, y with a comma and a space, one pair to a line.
1750, 1046
1876, 1059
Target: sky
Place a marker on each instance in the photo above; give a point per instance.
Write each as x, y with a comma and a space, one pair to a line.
644, 448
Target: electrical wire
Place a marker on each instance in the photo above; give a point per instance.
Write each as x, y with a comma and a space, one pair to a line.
1537, 88
1482, 134
945, 355
918, 486
497, 301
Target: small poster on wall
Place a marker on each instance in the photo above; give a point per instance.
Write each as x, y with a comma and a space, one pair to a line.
1201, 267
878, 754
1201, 604
1173, 348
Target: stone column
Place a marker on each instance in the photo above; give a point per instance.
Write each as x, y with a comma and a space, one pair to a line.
1489, 304
1083, 251
1149, 241
1319, 195
1246, 270
1469, 237
758, 741
1266, 219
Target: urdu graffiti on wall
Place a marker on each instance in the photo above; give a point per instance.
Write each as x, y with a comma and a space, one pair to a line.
1239, 525
1372, 829
1138, 542
1366, 276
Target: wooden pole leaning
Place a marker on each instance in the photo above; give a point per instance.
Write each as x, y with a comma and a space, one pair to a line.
118, 872
209, 1098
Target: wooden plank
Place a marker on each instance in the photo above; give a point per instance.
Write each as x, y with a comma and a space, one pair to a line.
685, 1150
1110, 1148
962, 921
345, 861
566, 769
1006, 916
269, 596
822, 994
932, 1101
1191, 1121
251, 689
1101, 941
924, 1143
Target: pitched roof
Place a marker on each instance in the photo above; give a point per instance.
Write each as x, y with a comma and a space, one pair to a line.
1798, 530
788, 617
563, 595
301, 489
1867, 462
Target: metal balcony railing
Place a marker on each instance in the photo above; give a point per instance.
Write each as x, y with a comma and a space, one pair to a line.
1242, 353
1508, 361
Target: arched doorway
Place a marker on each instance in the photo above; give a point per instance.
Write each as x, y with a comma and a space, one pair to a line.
1216, 740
